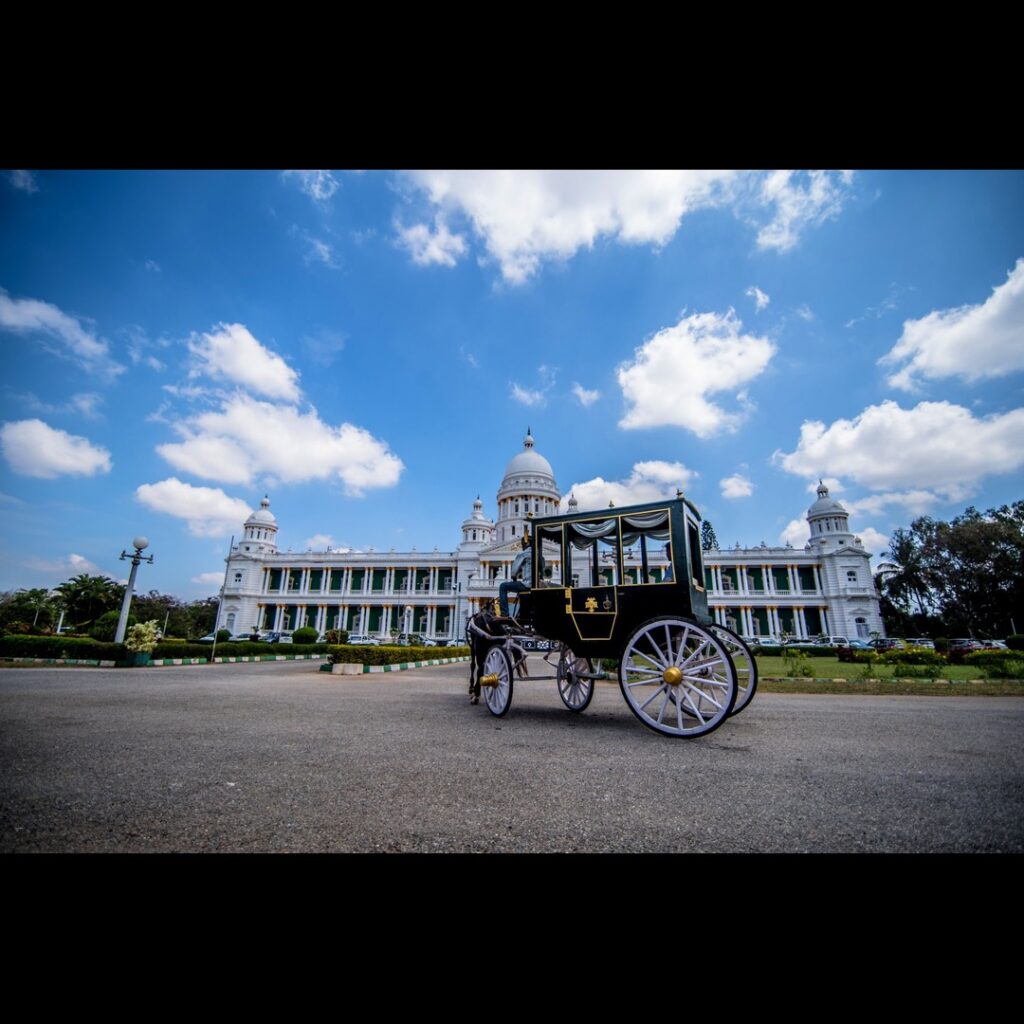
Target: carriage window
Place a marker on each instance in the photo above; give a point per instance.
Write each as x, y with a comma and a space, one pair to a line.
594, 549
548, 555
648, 537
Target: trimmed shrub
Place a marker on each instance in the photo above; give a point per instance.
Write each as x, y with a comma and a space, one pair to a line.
60, 647
305, 635
387, 655
1006, 668
336, 636
1015, 642
942, 644
105, 627
222, 635
912, 656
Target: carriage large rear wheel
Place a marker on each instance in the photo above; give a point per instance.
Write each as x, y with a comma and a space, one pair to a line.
678, 678
575, 690
746, 667
498, 695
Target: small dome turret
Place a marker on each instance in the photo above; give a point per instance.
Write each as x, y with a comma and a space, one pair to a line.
260, 531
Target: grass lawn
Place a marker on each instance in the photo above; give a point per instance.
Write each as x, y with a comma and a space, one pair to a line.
887, 676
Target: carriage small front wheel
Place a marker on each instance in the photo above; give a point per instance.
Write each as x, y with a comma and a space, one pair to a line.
677, 678
496, 681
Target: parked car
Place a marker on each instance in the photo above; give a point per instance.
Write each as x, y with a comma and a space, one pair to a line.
832, 641
994, 645
921, 641
859, 645
208, 639
276, 638
363, 640
888, 643
964, 645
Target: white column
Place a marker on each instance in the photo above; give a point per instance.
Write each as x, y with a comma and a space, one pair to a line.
769, 580
801, 624
817, 578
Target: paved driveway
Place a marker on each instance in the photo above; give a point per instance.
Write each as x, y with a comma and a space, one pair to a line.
280, 757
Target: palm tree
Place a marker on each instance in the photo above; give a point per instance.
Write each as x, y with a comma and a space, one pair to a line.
86, 597
905, 576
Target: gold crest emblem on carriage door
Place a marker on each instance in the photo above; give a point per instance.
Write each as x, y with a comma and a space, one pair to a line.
591, 604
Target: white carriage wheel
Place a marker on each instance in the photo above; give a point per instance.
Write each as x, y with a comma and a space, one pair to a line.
499, 696
575, 692
743, 661
677, 678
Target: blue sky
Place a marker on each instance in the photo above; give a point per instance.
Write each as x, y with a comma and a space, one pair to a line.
369, 348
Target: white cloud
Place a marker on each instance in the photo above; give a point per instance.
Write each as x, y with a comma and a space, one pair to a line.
427, 246
469, 357
972, 342
208, 511
319, 251
320, 542
526, 396
760, 299
797, 532
24, 181
33, 448
736, 486
910, 503
668, 382
153, 266
318, 185
231, 353
526, 217
324, 347
877, 543
75, 342
798, 207
649, 481
73, 565
209, 579
934, 445
84, 403
805, 312
246, 438
585, 396
538, 395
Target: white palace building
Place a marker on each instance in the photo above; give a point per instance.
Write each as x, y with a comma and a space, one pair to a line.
764, 591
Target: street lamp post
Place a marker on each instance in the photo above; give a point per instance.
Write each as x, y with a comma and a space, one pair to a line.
140, 544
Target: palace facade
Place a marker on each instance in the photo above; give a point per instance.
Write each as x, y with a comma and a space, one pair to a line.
826, 587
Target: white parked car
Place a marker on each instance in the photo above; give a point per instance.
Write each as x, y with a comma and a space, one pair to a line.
363, 640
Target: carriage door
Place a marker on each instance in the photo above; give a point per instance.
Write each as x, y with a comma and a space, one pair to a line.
596, 561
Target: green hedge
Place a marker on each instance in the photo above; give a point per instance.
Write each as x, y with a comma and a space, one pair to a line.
16, 646
1015, 642
781, 652
385, 655
176, 649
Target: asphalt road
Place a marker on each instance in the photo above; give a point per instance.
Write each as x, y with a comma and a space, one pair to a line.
280, 757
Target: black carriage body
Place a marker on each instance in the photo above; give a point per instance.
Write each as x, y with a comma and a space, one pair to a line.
614, 593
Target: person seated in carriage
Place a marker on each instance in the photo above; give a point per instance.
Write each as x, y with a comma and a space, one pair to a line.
521, 567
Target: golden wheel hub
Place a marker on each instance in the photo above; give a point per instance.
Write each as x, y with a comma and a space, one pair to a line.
489, 680
673, 676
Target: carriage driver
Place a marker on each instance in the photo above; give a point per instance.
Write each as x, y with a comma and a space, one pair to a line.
522, 566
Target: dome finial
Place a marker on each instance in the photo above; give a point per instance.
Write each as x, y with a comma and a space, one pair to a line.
528, 440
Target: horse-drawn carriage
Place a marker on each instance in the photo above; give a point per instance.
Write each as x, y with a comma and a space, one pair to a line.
626, 585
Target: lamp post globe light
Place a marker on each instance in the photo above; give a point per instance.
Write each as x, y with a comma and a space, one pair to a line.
140, 544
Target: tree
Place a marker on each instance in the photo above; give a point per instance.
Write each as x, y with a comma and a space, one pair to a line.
961, 577
708, 540
86, 598
28, 606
